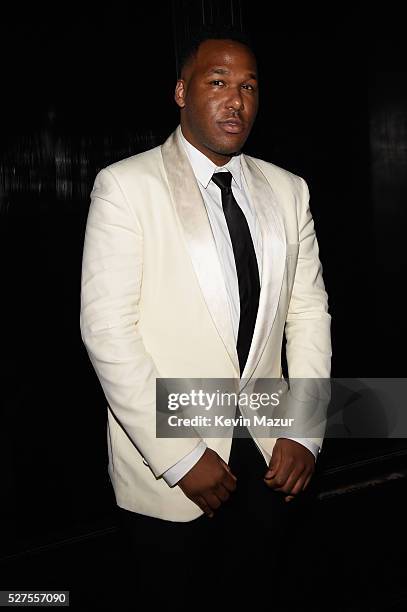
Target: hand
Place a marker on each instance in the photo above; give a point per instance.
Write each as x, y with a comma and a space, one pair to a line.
209, 482
291, 468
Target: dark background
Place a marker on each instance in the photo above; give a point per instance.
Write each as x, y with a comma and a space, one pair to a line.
84, 86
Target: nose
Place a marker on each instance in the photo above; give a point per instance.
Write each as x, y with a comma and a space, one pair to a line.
235, 100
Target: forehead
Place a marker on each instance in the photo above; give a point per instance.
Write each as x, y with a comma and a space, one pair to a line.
228, 53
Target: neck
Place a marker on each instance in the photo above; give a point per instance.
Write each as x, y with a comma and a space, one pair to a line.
219, 159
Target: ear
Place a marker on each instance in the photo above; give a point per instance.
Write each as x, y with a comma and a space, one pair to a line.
180, 92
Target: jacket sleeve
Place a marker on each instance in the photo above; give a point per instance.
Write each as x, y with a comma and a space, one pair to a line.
111, 281
307, 329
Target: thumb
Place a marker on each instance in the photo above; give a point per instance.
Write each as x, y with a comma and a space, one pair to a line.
274, 463
227, 468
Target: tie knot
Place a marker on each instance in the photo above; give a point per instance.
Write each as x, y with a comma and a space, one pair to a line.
223, 180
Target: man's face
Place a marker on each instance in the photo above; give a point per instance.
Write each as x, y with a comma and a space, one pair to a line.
218, 97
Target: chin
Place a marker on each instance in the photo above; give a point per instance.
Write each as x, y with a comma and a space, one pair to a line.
229, 148
234, 144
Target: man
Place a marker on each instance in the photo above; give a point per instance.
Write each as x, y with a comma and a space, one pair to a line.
191, 274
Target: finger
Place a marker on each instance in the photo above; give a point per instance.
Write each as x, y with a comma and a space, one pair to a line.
213, 500
307, 481
228, 470
278, 481
295, 481
200, 501
222, 492
302, 480
298, 487
287, 472
274, 463
275, 484
289, 498
229, 482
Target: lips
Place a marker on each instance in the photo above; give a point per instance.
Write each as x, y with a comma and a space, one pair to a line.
232, 126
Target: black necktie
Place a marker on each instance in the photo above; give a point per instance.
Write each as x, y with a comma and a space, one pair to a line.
246, 265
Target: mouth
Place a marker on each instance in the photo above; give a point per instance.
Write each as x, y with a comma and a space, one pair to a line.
232, 126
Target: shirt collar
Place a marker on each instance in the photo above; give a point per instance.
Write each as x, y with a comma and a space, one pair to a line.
204, 168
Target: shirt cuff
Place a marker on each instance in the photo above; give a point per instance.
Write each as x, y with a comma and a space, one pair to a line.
182, 467
314, 448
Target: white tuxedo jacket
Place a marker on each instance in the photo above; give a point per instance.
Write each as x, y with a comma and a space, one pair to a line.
154, 304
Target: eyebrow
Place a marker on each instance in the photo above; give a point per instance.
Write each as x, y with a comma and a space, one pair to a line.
252, 75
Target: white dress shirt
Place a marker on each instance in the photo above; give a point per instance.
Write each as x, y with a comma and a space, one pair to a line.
203, 169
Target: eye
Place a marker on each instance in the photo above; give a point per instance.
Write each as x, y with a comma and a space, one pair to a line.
248, 86
217, 82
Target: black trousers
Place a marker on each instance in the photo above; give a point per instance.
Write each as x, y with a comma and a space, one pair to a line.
240, 552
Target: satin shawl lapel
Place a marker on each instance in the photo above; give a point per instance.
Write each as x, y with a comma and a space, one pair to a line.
199, 239
274, 256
